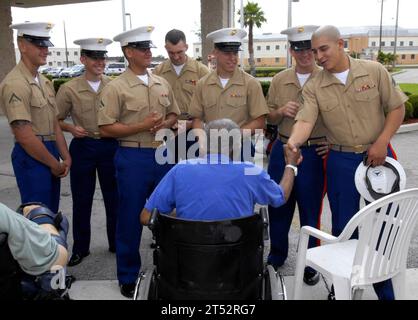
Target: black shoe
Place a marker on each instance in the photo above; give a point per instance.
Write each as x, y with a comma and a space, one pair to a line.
331, 295
112, 249
76, 259
153, 245
127, 289
310, 277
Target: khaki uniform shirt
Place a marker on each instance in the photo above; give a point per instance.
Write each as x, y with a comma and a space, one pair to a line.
128, 100
242, 100
354, 114
22, 98
285, 87
77, 98
183, 84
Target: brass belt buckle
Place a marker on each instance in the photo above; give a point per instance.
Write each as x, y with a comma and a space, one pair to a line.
358, 148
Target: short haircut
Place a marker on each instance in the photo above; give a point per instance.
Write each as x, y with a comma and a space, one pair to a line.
175, 36
223, 136
330, 32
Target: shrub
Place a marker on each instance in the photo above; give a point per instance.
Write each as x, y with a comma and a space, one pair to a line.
409, 111
413, 99
58, 82
265, 85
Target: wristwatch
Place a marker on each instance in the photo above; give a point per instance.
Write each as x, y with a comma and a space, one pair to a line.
294, 168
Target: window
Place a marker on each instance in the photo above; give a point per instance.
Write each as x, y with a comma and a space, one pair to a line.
49, 53
277, 60
392, 43
75, 53
258, 59
402, 44
277, 47
411, 43
68, 53
382, 44
50, 64
413, 56
267, 48
58, 53
373, 43
197, 50
403, 57
345, 44
59, 63
258, 48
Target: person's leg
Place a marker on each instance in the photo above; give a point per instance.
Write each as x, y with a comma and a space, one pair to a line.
280, 219
30, 172
83, 184
108, 185
134, 173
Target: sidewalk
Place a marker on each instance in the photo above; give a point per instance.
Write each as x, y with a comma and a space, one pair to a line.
109, 290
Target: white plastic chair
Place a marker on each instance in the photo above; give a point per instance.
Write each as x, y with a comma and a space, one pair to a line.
380, 253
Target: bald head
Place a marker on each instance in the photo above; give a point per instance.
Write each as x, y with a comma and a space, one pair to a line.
328, 32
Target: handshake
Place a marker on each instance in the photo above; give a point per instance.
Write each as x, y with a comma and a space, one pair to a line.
292, 154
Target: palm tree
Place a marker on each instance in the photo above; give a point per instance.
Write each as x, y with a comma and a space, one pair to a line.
253, 15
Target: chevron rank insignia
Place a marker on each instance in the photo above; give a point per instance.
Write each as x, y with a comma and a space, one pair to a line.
14, 98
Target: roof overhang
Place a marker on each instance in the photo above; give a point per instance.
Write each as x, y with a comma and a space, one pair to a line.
42, 3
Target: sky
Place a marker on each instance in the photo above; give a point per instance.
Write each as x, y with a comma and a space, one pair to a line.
104, 19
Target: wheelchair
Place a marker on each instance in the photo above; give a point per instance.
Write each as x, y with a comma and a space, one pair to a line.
209, 260
17, 285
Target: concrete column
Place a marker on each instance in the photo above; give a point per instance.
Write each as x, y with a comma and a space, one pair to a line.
215, 14
7, 51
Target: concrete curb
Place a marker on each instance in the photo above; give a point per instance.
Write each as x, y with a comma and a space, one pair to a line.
408, 128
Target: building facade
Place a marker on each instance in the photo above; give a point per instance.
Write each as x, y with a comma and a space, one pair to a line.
57, 58
270, 49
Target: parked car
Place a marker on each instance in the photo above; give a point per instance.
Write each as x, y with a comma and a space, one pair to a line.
77, 70
65, 73
55, 72
115, 68
44, 69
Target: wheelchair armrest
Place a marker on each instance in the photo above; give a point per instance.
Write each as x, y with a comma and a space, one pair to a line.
264, 217
153, 219
321, 235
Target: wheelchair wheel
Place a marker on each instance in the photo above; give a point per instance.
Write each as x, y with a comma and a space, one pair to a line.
143, 285
275, 281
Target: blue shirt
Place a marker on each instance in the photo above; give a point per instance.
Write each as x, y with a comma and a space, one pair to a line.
214, 188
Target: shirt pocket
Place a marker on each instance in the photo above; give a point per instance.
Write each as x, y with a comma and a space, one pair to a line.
329, 105
236, 102
367, 95
164, 102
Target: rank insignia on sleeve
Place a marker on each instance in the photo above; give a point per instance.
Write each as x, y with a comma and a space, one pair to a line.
14, 98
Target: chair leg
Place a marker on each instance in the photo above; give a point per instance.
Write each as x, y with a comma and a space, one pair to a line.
342, 288
357, 293
398, 284
300, 265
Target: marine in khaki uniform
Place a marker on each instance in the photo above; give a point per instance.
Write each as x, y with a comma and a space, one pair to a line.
352, 97
89, 151
28, 100
182, 73
229, 92
133, 108
284, 98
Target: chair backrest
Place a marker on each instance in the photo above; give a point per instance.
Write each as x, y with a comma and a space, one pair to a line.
385, 231
209, 260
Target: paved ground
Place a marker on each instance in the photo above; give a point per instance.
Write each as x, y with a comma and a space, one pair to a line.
407, 76
97, 273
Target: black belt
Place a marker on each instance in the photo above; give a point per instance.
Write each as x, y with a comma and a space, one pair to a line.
309, 143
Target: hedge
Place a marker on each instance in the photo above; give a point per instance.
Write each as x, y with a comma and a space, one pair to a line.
58, 82
413, 99
409, 111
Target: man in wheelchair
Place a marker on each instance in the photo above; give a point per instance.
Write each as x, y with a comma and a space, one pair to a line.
33, 253
215, 229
